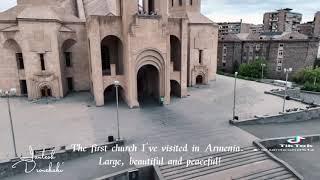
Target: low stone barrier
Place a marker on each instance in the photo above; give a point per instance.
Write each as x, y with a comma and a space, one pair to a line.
293, 94
310, 92
61, 154
304, 115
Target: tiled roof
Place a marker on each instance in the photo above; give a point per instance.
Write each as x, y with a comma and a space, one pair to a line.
264, 36
100, 7
195, 17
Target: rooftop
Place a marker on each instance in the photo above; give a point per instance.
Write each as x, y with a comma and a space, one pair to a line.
264, 36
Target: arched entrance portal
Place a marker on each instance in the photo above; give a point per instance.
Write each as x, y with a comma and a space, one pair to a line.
46, 91
175, 88
110, 94
199, 80
148, 84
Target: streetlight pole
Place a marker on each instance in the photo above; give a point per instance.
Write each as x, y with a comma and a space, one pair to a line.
262, 66
234, 95
287, 71
116, 84
8, 93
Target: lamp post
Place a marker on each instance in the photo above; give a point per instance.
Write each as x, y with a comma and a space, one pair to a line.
116, 84
234, 95
12, 92
286, 71
262, 71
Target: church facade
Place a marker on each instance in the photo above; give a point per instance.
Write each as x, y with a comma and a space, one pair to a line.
153, 48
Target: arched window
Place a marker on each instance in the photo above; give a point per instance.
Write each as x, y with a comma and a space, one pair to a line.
111, 53
67, 51
151, 7
200, 56
15, 49
146, 7
175, 51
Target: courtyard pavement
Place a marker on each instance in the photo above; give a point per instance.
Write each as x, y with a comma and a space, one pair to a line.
265, 131
200, 119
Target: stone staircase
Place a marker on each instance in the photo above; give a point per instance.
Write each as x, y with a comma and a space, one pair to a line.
277, 173
244, 165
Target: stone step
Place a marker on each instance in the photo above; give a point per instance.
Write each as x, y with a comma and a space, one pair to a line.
221, 154
284, 177
212, 171
274, 175
260, 174
224, 160
201, 171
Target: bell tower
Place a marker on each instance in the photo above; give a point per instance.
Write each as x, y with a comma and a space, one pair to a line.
181, 7
151, 7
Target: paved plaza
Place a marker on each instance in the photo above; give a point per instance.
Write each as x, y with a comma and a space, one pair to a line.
265, 131
200, 119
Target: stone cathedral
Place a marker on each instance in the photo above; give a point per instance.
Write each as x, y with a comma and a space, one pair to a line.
154, 48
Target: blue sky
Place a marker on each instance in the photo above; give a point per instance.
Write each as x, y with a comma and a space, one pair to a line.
251, 11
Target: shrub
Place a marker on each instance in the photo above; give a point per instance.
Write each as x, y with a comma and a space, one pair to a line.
311, 87
309, 78
307, 75
252, 69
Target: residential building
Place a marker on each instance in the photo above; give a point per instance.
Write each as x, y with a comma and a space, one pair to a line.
233, 28
317, 24
256, 28
306, 28
153, 48
279, 49
282, 20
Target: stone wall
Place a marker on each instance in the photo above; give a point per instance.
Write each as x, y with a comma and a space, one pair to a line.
304, 115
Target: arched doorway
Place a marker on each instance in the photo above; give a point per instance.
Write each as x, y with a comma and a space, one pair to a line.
110, 94
175, 51
46, 91
175, 88
199, 80
148, 84
111, 53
